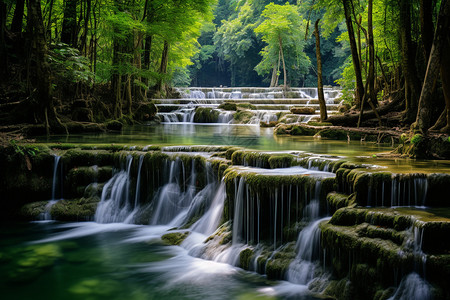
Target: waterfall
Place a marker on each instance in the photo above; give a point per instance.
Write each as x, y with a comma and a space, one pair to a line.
57, 180
114, 205
413, 287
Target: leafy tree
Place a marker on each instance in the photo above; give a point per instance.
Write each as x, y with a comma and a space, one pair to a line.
283, 31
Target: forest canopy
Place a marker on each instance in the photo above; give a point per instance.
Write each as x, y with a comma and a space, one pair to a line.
56, 52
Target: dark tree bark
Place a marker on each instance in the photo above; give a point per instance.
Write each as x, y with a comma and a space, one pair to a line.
3, 58
435, 65
445, 78
69, 27
354, 52
426, 26
163, 67
17, 21
40, 68
371, 77
412, 82
323, 107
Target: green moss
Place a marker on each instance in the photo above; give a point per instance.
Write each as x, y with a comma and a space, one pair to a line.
206, 115
245, 257
417, 138
175, 238
82, 209
32, 211
314, 123
245, 105
280, 161
243, 116
337, 200
228, 105
302, 130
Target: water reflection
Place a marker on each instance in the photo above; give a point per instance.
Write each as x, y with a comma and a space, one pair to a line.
251, 137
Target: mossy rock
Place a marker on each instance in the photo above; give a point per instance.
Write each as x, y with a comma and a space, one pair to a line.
114, 125
82, 209
33, 210
84, 176
336, 200
206, 115
228, 105
243, 116
302, 130
302, 110
245, 258
269, 124
175, 238
146, 112
245, 105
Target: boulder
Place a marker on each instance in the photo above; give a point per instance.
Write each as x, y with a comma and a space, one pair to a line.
303, 110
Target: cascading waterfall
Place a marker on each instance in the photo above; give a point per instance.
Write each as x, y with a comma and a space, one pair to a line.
57, 186
270, 103
114, 205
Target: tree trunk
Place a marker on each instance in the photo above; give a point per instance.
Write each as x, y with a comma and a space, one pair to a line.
445, 78
426, 26
323, 107
435, 64
163, 67
3, 57
83, 46
69, 25
284, 64
371, 77
40, 68
354, 51
412, 83
17, 22
116, 82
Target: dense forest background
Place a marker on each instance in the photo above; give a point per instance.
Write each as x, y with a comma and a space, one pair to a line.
102, 60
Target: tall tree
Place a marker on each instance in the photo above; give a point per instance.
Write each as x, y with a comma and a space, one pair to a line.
435, 66
40, 68
348, 9
323, 107
412, 83
69, 31
282, 29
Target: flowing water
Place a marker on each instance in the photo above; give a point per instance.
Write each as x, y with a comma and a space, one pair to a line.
123, 255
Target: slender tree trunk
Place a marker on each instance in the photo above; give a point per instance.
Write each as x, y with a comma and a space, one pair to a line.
163, 67
354, 51
412, 83
83, 46
16, 25
3, 57
69, 25
49, 20
371, 77
323, 107
274, 76
280, 42
424, 113
426, 26
116, 82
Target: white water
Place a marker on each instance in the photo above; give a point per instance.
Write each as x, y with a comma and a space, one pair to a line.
57, 180
274, 101
413, 287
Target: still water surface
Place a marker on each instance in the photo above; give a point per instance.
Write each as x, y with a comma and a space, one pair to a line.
253, 137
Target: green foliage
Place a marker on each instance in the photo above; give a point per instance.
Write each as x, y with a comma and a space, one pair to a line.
283, 30
27, 150
416, 139
69, 65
